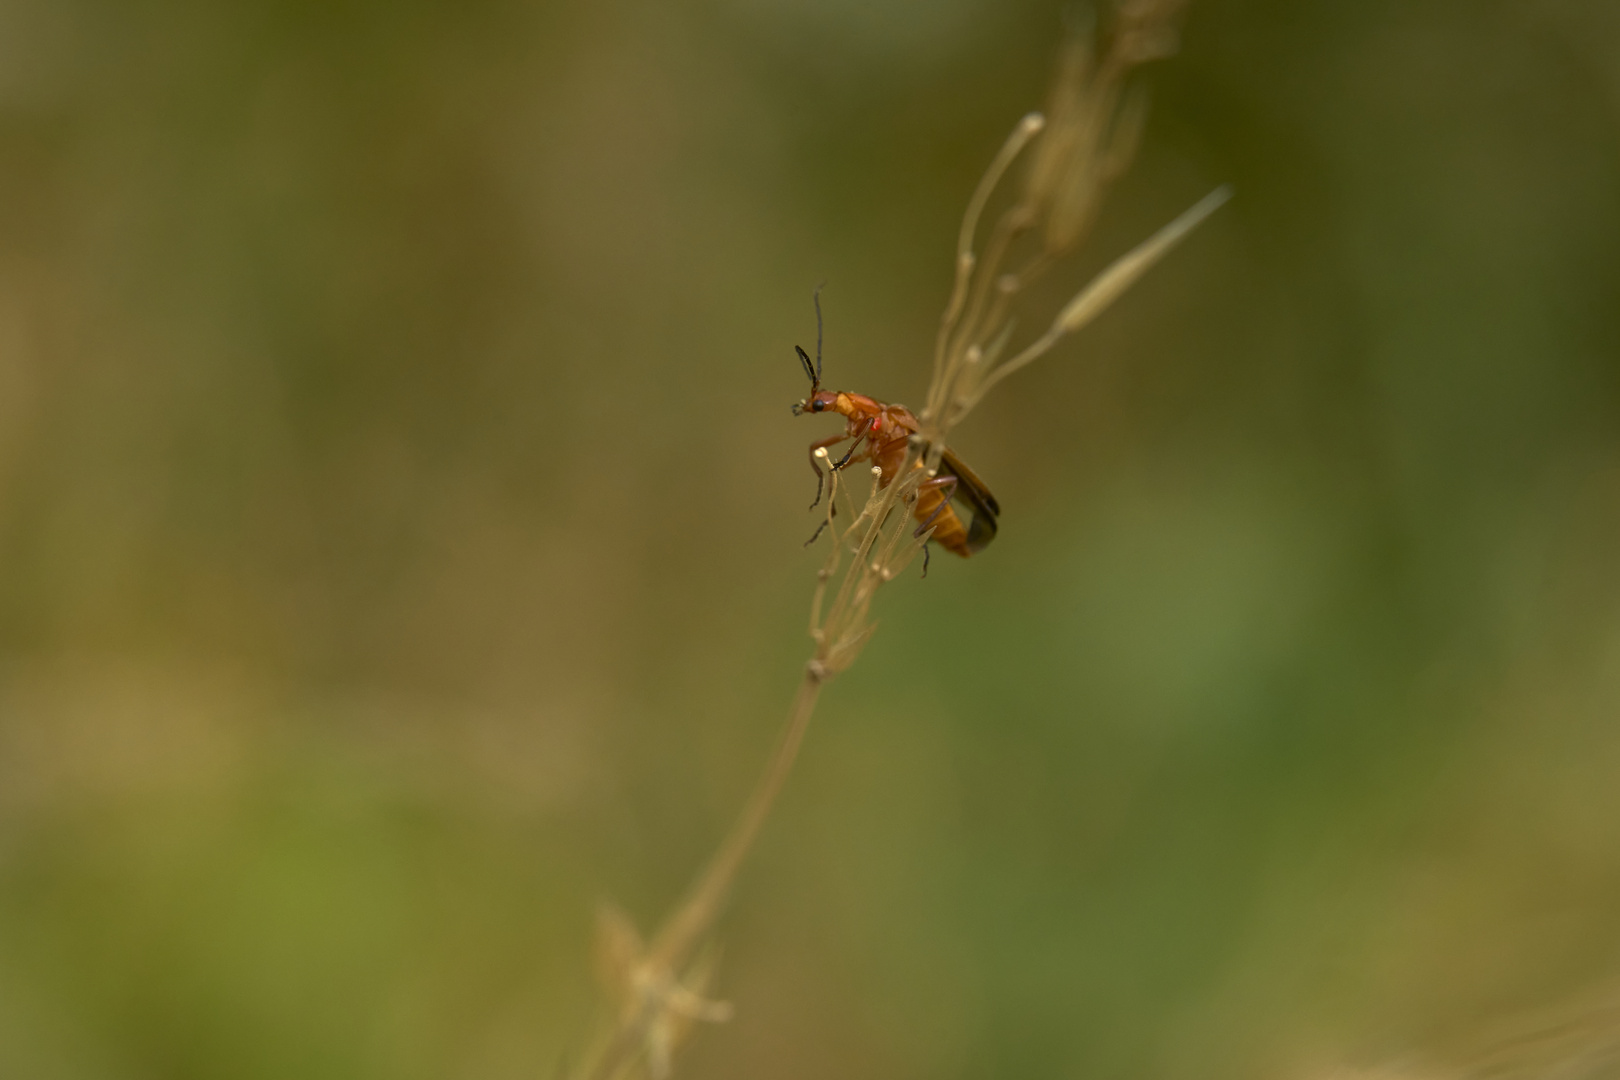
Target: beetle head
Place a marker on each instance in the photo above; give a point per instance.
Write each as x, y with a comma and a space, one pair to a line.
818, 401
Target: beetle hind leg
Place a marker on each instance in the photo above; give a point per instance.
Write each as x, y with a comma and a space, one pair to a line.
945, 484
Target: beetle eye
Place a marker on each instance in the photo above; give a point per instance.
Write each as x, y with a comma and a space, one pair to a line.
815, 406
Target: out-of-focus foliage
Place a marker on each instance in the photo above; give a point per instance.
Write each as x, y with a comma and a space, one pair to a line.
400, 521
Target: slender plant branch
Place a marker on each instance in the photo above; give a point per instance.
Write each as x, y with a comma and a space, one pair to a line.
1082, 146
681, 934
674, 944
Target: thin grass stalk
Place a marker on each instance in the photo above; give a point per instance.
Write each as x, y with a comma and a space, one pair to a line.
680, 935
1104, 289
1027, 129
1089, 138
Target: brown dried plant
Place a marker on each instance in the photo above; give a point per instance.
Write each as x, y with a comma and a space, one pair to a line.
1083, 144
1575, 1038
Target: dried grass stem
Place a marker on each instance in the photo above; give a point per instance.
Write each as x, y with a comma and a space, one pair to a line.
1086, 140
674, 944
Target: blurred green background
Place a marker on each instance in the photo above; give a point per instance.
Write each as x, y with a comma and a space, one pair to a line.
400, 523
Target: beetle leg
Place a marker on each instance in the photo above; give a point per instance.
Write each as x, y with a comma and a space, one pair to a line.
841, 462
946, 484
856, 445
819, 530
821, 444
889, 456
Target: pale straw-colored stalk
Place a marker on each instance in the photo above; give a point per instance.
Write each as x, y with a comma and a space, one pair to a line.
1082, 145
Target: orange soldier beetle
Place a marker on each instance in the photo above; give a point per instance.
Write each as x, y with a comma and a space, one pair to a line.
882, 435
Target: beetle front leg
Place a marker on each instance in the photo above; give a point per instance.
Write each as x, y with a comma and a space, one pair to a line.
820, 529
871, 425
821, 478
860, 437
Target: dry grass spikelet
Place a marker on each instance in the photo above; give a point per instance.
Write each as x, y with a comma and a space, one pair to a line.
1083, 145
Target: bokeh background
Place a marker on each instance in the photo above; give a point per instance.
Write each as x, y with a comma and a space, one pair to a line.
400, 524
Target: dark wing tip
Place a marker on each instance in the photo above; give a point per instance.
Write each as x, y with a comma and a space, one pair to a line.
970, 488
972, 491
981, 531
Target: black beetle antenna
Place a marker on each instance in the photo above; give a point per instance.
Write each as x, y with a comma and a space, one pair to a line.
810, 372
816, 297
